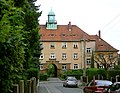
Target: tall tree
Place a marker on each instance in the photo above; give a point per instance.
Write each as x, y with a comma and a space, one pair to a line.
19, 40
105, 61
92, 60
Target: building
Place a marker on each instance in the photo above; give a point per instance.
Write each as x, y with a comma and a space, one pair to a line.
68, 46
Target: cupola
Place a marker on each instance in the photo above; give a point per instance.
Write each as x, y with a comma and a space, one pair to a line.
51, 23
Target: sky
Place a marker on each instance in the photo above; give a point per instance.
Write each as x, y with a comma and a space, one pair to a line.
89, 15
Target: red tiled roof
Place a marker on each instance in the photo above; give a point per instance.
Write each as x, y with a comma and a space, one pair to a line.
102, 45
62, 33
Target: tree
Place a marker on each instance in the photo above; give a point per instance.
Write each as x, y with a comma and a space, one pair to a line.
92, 60
105, 61
19, 41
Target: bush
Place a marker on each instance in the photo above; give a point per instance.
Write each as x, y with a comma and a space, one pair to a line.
91, 72
113, 73
43, 77
33, 72
102, 72
76, 73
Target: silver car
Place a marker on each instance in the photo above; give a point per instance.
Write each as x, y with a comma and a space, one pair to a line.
70, 82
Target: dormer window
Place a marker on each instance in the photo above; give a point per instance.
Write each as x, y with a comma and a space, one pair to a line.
52, 35
63, 35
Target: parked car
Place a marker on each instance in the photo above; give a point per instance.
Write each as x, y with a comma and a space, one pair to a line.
114, 88
70, 82
97, 86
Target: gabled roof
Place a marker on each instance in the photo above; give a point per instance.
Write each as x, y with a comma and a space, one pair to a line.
102, 45
73, 33
62, 33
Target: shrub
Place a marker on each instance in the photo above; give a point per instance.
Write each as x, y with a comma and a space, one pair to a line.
102, 72
113, 73
32, 72
91, 72
43, 77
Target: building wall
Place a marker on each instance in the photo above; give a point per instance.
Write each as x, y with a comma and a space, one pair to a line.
70, 50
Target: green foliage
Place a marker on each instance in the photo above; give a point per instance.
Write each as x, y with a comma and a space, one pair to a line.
117, 67
113, 73
76, 73
91, 72
19, 43
51, 70
43, 77
102, 72
33, 72
92, 60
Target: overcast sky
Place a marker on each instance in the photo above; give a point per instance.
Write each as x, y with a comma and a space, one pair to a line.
89, 15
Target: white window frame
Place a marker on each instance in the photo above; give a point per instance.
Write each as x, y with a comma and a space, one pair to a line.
75, 45
64, 45
110, 56
41, 66
52, 45
88, 50
64, 56
88, 61
75, 66
75, 56
101, 55
52, 56
41, 56
64, 66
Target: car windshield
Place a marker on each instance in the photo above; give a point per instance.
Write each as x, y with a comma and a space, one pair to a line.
104, 83
71, 78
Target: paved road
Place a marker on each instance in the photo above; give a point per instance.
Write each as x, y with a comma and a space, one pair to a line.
54, 85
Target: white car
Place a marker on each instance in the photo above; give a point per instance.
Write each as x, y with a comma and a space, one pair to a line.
70, 82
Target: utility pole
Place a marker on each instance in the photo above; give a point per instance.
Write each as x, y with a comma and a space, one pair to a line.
84, 69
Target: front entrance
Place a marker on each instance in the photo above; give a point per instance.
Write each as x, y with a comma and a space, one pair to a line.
52, 70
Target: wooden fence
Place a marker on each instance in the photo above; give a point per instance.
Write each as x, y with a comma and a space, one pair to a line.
31, 87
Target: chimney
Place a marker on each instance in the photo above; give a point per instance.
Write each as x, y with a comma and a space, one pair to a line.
69, 26
99, 34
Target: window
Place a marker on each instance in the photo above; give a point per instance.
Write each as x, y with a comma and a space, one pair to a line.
41, 56
75, 56
101, 55
88, 61
75, 45
63, 35
64, 66
41, 66
64, 45
52, 56
64, 56
75, 66
52, 45
110, 56
88, 50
